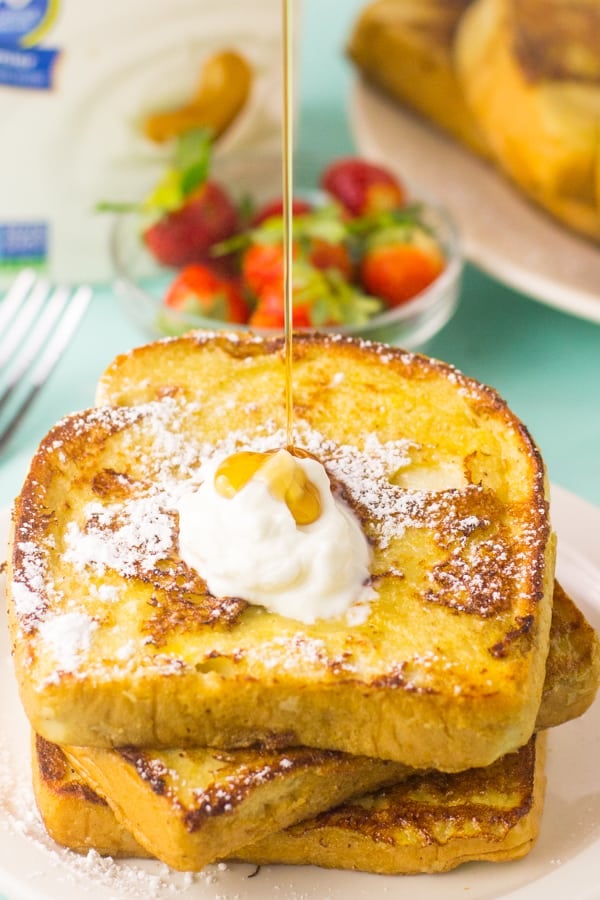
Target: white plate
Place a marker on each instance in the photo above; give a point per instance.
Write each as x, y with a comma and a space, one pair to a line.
565, 862
502, 232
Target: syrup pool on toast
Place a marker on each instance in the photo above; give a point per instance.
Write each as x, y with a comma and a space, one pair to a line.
287, 481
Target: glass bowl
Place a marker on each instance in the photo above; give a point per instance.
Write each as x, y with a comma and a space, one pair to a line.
141, 283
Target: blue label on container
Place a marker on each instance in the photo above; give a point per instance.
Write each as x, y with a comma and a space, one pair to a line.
23, 242
23, 63
27, 68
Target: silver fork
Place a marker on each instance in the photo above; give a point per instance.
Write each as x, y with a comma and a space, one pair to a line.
37, 321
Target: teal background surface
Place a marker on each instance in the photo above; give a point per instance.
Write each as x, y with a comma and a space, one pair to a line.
544, 362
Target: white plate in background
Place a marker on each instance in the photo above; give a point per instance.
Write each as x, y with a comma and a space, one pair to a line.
502, 232
564, 863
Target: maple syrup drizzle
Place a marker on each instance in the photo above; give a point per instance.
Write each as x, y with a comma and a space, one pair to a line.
286, 480
287, 196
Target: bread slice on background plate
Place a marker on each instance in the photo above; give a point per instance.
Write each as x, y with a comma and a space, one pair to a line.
530, 74
518, 81
405, 47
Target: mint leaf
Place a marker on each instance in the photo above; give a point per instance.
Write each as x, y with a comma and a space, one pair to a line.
324, 224
192, 159
321, 312
189, 170
167, 195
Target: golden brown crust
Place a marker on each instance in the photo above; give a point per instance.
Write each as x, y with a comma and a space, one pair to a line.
557, 40
246, 770
75, 816
56, 773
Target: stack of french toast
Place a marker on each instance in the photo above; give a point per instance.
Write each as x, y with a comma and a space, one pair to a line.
517, 81
406, 735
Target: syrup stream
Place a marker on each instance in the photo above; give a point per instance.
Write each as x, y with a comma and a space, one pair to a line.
287, 195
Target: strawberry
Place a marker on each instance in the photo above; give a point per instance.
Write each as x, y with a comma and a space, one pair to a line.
318, 298
262, 264
399, 263
269, 312
362, 188
275, 208
190, 213
199, 290
326, 255
307, 287
186, 234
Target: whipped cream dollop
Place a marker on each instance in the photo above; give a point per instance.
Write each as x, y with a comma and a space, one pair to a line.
250, 546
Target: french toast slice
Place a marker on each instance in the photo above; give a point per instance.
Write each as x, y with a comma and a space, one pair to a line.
145, 787
445, 668
74, 815
405, 48
429, 823
572, 666
191, 807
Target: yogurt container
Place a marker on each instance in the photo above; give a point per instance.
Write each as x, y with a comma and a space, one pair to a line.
77, 79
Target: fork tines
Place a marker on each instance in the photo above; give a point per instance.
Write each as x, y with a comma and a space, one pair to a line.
37, 321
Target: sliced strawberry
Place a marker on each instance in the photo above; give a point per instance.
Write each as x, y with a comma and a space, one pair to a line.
275, 208
269, 312
199, 290
362, 188
326, 256
187, 234
262, 264
318, 298
399, 263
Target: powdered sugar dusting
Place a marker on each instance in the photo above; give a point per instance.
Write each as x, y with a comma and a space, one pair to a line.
120, 537
131, 528
68, 636
26, 601
27, 593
